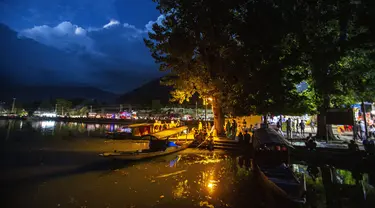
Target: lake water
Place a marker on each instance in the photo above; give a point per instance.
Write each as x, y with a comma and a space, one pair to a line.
43, 165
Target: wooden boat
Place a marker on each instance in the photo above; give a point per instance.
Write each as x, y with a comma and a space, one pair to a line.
143, 153
271, 153
159, 145
270, 147
131, 131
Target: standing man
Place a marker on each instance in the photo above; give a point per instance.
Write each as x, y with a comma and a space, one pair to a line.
312, 126
363, 130
297, 126
302, 126
234, 129
228, 128
289, 128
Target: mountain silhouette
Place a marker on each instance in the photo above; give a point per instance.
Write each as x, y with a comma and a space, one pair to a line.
154, 90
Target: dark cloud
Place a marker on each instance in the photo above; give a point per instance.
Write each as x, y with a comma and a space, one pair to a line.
98, 44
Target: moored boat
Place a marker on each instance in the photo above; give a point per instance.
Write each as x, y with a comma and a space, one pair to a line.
131, 131
271, 156
144, 153
159, 145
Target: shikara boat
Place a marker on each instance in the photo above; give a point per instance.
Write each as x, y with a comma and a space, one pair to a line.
159, 145
270, 147
131, 131
271, 156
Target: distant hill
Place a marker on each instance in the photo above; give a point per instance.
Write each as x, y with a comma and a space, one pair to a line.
145, 94
153, 90
39, 93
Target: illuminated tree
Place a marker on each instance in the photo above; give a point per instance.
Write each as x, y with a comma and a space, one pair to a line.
192, 43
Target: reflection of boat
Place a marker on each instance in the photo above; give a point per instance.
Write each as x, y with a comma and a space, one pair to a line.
159, 145
287, 182
132, 131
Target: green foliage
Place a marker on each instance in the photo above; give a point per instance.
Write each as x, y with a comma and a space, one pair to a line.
45, 105
217, 49
156, 106
63, 106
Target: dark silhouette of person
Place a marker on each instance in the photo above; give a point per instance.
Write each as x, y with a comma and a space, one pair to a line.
311, 144
289, 128
246, 137
353, 146
240, 138
302, 127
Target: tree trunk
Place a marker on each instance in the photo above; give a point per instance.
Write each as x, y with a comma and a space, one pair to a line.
324, 131
218, 117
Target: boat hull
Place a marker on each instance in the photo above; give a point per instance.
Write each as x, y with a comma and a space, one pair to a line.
143, 154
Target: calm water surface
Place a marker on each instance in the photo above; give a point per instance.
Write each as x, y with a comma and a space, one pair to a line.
68, 173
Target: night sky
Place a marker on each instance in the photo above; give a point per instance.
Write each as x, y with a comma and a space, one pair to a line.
79, 42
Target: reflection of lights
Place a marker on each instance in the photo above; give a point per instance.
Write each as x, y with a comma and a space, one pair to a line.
112, 128
181, 190
90, 127
47, 124
174, 162
21, 124
211, 185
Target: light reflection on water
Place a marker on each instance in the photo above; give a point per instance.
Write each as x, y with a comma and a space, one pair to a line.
15, 128
189, 179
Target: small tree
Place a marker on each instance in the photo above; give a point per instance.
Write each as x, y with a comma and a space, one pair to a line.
63, 106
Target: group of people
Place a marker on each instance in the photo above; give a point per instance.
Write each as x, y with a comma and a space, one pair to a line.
234, 129
292, 126
160, 126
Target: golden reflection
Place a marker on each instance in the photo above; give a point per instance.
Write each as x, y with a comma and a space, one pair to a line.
209, 181
181, 190
206, 159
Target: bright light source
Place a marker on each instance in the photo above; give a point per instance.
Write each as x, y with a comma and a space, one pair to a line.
210, 99
47, 124
49, 114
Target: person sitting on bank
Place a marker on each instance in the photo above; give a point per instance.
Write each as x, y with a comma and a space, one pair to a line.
240, 138
210, 145
309, 137
311, 144
369, 146
246, 137
353, 146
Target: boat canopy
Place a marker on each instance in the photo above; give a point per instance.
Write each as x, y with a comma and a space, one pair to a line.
139, 125
163, 135
269, 137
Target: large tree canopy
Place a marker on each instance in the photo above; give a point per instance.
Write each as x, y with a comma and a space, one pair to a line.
250, 55
240, 53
